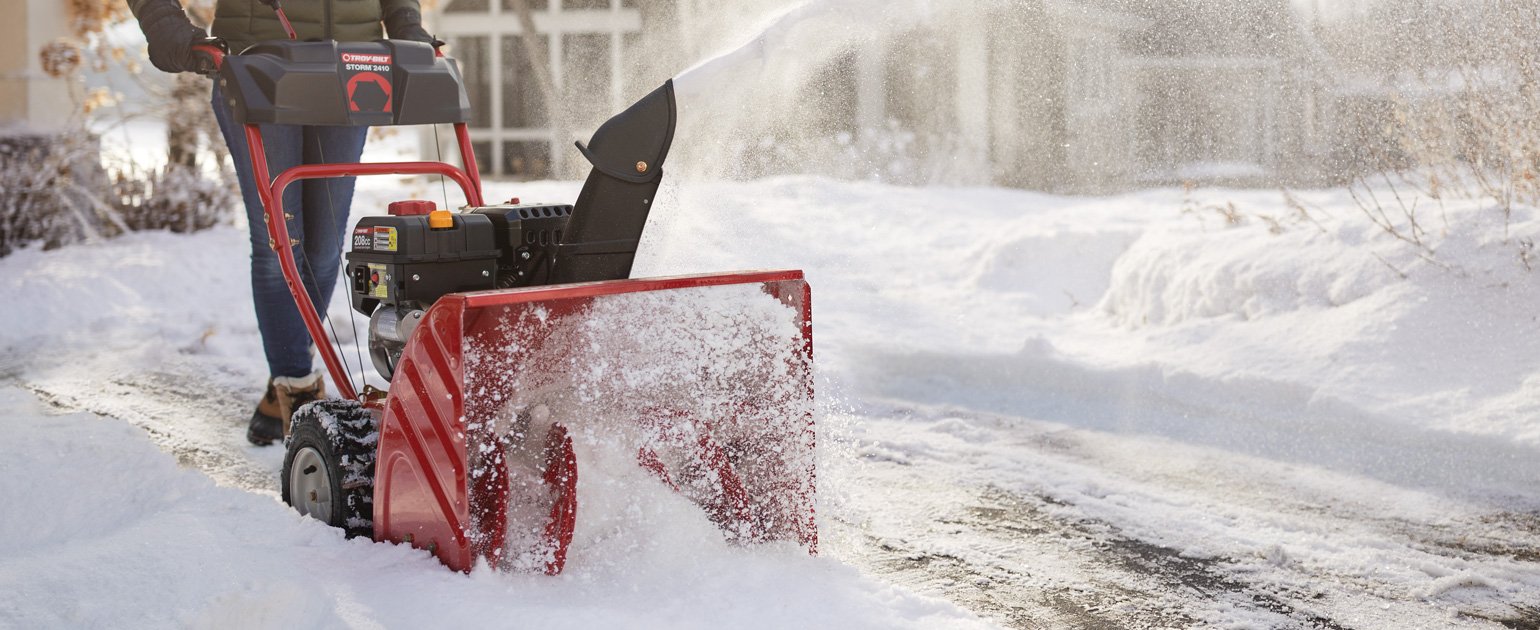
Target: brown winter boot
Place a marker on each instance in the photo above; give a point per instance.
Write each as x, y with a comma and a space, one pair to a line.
265, 427
270, 422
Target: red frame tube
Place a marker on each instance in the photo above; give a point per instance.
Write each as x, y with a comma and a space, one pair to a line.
468, 156
270, 190
283, 18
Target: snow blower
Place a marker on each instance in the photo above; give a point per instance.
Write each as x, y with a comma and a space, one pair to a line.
516, 345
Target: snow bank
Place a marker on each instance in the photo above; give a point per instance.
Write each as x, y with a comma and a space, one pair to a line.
1318, 339
1445, 342
1173, 274
147, 283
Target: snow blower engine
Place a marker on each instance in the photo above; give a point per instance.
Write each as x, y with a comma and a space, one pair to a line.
518, 349
402, 263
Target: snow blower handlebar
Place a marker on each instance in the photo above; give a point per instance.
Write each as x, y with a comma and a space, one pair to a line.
250, 110
214, 49
278, 229
211, 53
283, 18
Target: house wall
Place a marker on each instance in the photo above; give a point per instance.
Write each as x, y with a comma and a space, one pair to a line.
1059, 95
27, 95
1226, 96
1099, 99
1027, 100
1078, 96
1060, 99
14, 65
1204, 118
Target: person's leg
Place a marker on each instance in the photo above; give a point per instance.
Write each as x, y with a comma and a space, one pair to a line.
285, 341
284, 338
326, 206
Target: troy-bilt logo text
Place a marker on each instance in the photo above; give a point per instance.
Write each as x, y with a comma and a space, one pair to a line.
366, 61
368, 82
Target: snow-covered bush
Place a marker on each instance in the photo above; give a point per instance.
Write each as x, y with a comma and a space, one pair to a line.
1461, 122
54, 188
174, 197
43, 178
54, 191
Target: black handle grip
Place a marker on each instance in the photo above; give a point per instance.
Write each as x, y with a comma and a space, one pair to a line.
209, 54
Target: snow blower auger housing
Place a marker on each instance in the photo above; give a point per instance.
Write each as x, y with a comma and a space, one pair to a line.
519, 351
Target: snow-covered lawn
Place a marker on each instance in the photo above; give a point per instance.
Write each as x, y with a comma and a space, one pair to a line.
1048, 410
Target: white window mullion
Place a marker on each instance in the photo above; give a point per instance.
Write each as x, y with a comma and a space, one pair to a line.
559, 80
495, 67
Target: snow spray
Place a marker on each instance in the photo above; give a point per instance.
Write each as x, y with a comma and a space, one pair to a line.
740, 107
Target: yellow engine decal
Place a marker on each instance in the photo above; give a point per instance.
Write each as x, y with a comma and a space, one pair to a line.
379, 282
384, 239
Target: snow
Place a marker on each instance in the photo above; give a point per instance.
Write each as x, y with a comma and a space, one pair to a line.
1044, 410
1167, 408
721, 357
1282, 357
107, 531
1041, 410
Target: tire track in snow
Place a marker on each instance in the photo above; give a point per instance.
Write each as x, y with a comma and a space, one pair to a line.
195, 419
1277, 545
1029, 562
1030, 559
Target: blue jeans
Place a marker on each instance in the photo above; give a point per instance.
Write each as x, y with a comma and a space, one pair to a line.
320, 216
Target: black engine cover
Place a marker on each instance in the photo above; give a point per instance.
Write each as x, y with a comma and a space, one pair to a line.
528, 235
399, 259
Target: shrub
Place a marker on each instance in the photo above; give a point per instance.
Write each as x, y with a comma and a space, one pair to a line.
44, 178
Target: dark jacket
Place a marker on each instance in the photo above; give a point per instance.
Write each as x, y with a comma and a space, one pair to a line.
242, 23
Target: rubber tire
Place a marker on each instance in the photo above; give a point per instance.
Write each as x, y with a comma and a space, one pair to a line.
345, 434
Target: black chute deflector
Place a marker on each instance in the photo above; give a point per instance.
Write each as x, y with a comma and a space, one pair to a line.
627, 154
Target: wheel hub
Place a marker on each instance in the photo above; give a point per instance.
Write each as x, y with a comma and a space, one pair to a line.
308, 478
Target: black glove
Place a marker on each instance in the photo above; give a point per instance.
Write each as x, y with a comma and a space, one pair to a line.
171, 36
407, 24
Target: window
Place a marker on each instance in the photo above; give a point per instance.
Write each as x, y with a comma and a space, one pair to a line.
466, 6
513, 116
523, 98
534, 5
472, 54
586, 65
483, 153
527, 159
634, 84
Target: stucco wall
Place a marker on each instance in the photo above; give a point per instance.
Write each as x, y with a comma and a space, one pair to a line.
27, 96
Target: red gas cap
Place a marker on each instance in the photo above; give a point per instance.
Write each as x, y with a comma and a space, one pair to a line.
411, 207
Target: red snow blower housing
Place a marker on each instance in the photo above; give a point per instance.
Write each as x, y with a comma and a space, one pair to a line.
518, 351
